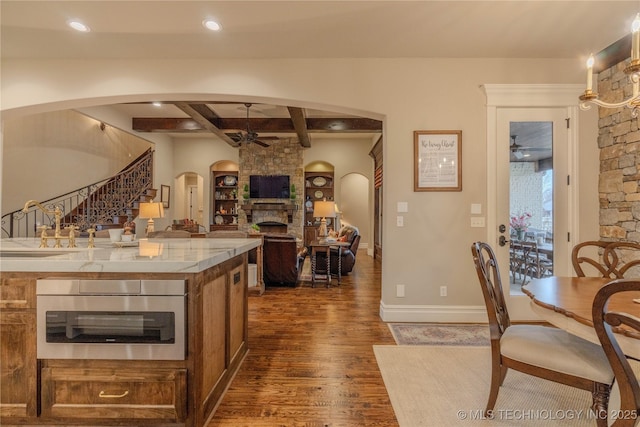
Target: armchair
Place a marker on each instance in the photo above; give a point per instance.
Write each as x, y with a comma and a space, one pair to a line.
282, 263
350, 234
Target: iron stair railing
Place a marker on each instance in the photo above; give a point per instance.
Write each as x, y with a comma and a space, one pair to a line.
104, 202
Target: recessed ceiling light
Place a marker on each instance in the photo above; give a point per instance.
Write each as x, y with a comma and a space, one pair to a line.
157, 104
212, 25
79, 26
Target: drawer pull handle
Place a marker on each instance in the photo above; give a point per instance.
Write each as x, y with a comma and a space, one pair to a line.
113, 396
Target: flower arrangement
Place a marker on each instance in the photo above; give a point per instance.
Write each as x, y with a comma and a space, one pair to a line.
520, 222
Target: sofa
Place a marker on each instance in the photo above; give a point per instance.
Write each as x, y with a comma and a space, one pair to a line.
349, 234
281, 262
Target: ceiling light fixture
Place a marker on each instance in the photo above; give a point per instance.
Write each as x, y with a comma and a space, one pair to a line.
79, 26
157, 104
633, 71
212, 25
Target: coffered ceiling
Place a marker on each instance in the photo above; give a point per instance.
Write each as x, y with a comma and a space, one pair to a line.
230, 122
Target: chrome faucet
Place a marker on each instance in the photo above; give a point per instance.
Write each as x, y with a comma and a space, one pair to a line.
57, 212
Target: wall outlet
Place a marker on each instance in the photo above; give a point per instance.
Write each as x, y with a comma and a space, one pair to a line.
400, 291
443, 291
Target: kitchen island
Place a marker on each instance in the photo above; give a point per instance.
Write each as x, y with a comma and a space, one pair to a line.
123, 390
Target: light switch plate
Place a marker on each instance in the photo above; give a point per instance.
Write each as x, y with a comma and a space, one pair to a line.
477, 221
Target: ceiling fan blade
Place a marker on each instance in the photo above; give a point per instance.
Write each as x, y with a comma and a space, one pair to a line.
261, 143
535, 148
518, 155
235, 136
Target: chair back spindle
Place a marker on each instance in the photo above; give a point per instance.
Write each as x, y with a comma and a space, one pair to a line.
604, 321
615, 260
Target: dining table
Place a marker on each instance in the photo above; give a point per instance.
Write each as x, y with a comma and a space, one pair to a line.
566, 302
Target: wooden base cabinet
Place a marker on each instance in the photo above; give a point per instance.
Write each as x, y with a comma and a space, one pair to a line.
180, 393
18, 363
119, 393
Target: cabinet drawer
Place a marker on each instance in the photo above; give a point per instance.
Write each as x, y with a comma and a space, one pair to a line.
158, 394
17, 293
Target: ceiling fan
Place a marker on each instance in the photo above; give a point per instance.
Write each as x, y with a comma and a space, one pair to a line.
520, 152
248, 136
516, 148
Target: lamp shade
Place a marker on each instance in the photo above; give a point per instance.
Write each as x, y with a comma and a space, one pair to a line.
324, 209
151, 210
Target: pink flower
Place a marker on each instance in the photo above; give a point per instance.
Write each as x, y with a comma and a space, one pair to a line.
520, 222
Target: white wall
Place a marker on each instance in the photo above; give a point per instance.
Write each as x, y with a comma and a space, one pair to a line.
408, 94
58, 152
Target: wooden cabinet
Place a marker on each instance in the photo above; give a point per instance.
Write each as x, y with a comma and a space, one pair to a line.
318, 186
125, 392
120, 393
18, 363
220, 337
225, 201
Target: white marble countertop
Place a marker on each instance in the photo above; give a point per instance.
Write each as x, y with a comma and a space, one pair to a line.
142, 256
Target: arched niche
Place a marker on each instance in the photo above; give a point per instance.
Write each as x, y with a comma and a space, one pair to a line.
221, 166
319, 166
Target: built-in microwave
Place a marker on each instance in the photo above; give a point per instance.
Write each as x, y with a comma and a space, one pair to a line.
111, 319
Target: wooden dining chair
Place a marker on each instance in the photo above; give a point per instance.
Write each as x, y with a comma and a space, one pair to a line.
615, 260
625, 394
537, 350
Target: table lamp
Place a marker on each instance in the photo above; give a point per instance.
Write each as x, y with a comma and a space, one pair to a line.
323, 209
151, 210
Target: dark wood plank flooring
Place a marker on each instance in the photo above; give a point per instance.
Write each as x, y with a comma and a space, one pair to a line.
311, 360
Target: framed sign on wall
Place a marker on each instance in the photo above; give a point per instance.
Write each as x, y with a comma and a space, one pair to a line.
437, 160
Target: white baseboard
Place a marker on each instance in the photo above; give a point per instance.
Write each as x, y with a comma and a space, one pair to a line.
433, 313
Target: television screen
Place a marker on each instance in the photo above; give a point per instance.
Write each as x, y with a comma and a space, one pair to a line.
269, 186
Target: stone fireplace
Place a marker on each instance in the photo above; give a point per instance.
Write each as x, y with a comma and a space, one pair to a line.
273, 227
282, 157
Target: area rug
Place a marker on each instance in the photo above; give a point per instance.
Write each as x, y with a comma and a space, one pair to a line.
446, 386
439, 334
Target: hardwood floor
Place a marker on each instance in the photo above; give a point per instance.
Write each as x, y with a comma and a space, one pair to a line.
311, 360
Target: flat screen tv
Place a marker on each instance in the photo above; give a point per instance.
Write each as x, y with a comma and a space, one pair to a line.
269, 186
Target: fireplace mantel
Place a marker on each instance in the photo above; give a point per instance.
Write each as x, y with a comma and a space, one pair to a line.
289, 208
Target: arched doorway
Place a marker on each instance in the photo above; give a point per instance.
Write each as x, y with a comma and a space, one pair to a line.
354, 206
189, 197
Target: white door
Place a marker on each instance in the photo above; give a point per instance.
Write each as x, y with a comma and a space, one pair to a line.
532, 169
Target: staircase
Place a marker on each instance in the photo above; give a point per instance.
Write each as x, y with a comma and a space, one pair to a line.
105, 204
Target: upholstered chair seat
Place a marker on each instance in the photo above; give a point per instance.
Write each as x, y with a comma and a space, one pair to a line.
556, 350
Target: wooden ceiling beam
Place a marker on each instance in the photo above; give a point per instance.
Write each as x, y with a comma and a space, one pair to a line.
180, 125
355, 124
275, 125
300, 124
202, 114
613, 54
